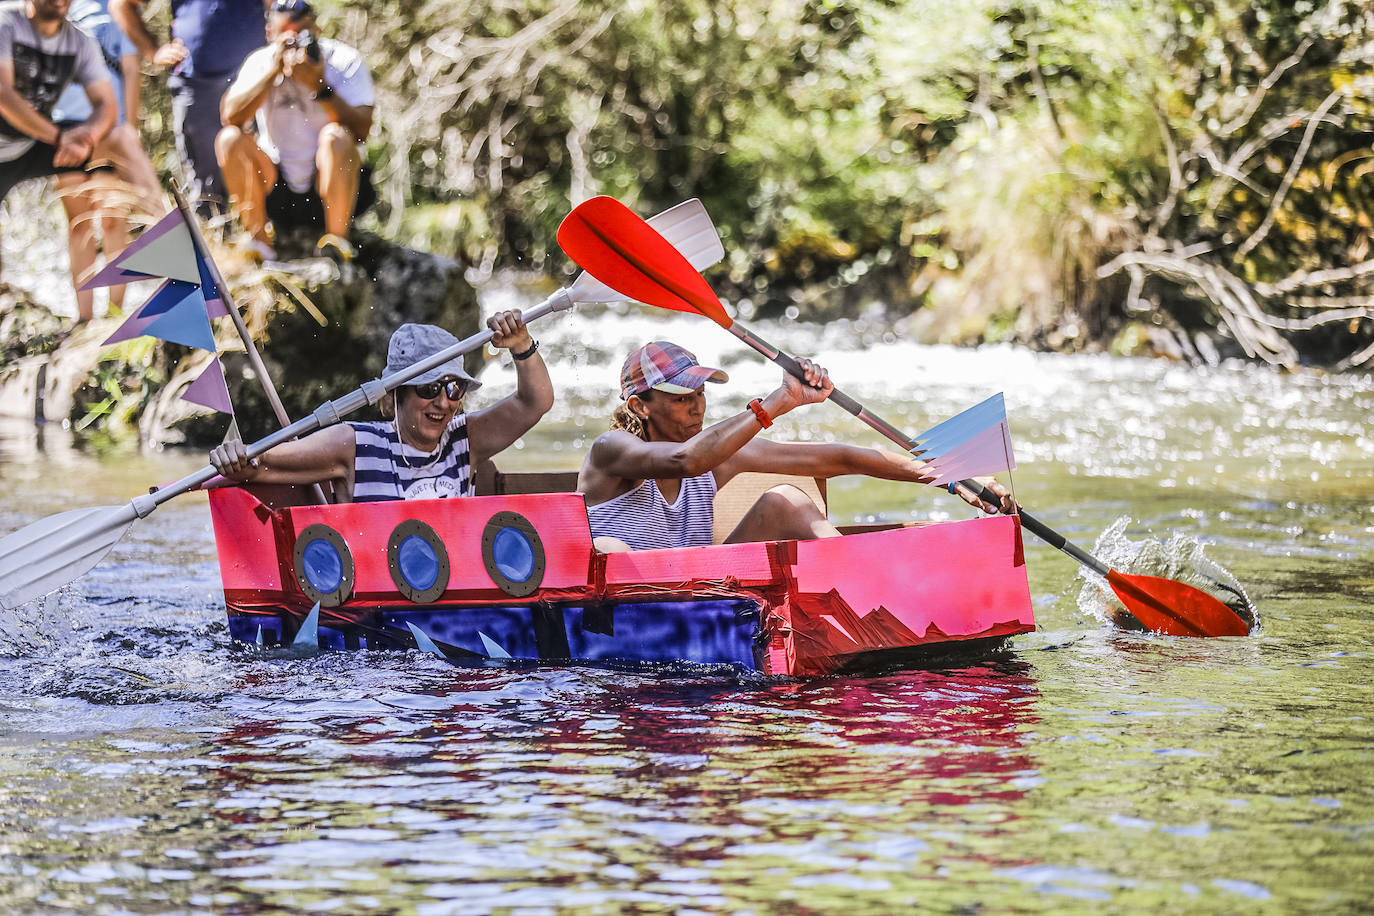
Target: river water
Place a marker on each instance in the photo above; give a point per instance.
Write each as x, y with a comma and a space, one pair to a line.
149, 765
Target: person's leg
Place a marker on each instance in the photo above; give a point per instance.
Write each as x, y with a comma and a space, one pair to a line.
337, 166
114, 238
195, 116
784, 513
248, 174
125, 150
78, 198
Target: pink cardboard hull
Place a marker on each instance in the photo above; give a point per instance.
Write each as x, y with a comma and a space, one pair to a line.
788, 608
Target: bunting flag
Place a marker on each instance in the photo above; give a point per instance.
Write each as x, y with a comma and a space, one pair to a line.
210, 390
181, 308
165, 249
972, 444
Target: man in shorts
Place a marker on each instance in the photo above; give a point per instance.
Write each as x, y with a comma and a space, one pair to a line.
312, 101
40, 54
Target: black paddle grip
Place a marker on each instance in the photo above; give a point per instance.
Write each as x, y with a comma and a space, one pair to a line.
1030, 522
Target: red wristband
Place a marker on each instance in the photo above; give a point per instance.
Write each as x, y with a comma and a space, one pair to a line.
757, 407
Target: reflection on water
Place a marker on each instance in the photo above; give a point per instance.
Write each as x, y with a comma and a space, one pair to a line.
148, 764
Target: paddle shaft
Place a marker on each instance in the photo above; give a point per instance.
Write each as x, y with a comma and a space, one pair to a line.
332, 412
850, 405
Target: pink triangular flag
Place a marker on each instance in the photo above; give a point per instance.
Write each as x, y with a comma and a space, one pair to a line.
133, 326
210, 390
989, 452
112, 275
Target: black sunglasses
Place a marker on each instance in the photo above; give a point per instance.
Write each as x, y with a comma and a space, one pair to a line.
455, 388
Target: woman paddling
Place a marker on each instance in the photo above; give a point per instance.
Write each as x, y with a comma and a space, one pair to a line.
426, 446
650, 482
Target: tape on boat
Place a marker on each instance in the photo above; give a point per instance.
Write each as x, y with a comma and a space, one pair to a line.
418, 561
513, 554
323, 565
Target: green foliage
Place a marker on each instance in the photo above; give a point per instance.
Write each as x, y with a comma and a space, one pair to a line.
1005, 167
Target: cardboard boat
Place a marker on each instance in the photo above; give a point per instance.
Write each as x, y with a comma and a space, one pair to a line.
513, 578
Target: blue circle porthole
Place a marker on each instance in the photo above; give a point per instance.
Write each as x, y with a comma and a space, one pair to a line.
513, 554
323, 565
418, 561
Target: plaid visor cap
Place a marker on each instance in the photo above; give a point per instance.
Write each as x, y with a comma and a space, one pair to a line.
666, 367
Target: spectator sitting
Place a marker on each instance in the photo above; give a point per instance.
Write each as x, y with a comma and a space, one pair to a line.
312, 98
40, 54
96, 198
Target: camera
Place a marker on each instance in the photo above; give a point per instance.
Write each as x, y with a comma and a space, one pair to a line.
306, 41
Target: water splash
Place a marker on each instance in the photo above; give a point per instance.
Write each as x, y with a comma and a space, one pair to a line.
1180, 558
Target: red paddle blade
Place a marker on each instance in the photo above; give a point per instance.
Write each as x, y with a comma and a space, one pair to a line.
1175, 609
609, 241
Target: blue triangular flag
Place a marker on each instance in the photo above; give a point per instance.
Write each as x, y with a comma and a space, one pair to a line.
185, 323
217, 307
166, 297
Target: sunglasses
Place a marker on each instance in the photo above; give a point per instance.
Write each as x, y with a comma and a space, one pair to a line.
297, 9
455, 388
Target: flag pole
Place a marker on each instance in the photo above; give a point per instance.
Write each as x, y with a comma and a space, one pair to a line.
254, 357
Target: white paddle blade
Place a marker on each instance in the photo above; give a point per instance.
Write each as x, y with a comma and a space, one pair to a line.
46, 555
687, 227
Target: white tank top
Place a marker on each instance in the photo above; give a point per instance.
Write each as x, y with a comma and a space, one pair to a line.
645, 520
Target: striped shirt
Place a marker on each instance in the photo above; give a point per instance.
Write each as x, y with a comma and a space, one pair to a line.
645, 520
384, 468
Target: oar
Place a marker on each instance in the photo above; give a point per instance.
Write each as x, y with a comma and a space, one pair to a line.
49, 553
606, 239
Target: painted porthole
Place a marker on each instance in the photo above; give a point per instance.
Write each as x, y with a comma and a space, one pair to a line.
324, 566
418, 561
513, 554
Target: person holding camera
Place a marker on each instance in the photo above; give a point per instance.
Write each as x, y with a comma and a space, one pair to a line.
312, 100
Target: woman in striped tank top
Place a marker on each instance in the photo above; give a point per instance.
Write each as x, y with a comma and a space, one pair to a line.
650, 482
426, 446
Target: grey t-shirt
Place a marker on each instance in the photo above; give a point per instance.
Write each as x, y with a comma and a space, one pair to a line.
42, 68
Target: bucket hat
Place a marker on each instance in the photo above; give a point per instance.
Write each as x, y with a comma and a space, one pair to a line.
411, 343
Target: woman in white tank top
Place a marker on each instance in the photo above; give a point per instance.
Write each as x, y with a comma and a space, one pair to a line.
426, 446
649, 482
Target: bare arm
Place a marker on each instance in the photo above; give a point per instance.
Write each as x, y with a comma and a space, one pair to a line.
324, 455
805, 459
311, 75
249, 90
19, 113
618, 461
133, 88
492, 430
357, 119
128, 15
104, 110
